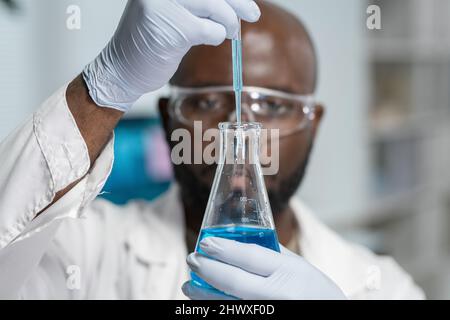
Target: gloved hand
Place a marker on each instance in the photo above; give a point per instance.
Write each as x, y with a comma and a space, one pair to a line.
252, 272
152, 38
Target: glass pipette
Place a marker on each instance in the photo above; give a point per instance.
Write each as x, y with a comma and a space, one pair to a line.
237, 72
236, 44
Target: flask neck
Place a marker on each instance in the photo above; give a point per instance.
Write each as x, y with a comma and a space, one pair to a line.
239, 143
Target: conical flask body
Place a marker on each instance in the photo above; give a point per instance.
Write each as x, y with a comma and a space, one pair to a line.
238, 206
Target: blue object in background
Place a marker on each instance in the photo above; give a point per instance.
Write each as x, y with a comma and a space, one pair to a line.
142, 167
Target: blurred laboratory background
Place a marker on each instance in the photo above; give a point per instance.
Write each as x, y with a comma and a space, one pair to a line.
379, 173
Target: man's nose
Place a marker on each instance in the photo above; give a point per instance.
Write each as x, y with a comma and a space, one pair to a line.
246, 115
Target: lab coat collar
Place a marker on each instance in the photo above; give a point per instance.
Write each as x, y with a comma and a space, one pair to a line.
341, 261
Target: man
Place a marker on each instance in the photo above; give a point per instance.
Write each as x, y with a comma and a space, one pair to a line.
278, 54
57, 162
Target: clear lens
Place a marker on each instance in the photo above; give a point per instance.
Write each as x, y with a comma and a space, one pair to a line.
272, 111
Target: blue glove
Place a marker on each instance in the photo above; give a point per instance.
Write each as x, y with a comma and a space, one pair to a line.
151, 40
252, 272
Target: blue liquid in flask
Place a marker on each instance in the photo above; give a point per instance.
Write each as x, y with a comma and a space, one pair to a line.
261, 236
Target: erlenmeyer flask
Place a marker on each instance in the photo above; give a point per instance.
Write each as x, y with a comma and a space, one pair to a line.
238, 206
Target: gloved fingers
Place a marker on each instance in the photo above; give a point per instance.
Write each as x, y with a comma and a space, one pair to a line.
198, 293
216, 10
249, 257
247, 10
226, 278
212, 33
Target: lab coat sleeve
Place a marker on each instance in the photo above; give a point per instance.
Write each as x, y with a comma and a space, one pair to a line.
43, 156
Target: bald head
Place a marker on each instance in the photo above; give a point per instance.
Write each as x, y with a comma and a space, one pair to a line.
277, 53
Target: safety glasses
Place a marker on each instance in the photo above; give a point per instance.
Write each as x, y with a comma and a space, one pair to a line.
274, 109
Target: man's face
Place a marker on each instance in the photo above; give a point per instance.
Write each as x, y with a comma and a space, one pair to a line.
267, 65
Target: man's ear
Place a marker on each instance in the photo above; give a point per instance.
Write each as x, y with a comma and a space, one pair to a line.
163, 106
319, 112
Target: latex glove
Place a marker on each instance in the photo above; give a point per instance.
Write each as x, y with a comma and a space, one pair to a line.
151, 40
249, 271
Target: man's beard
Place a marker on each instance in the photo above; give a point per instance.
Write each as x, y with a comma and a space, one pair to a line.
195, 193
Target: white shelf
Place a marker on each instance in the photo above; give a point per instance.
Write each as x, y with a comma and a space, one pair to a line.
407, 51
381, 210
414, 47
408, 126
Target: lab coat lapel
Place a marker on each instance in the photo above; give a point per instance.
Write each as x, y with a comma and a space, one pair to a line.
329, 253
156, 249
169, 212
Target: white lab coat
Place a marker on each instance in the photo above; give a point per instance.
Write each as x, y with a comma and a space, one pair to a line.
81, 248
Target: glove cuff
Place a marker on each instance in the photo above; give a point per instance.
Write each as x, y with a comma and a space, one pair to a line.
105, 89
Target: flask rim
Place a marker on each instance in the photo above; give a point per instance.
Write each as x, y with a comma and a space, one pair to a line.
243, 126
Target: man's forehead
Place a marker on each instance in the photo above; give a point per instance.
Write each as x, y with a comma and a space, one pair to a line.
277, 54
274, 68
